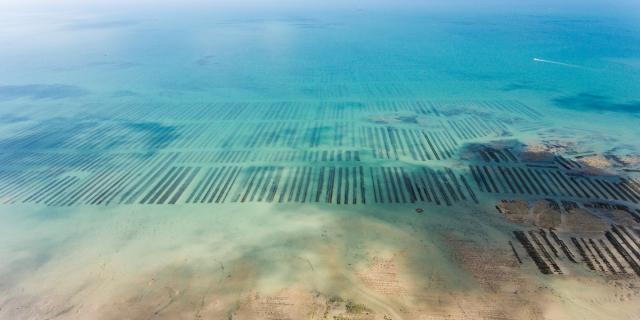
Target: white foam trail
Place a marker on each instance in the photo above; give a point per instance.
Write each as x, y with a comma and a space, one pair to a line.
558, 63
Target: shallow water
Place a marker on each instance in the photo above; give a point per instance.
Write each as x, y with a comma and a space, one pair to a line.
307, 161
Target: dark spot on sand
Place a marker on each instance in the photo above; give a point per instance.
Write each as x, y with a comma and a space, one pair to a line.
408, 119
10, 118
123, 93
40, 91
158, 135
206, 60
594, 102
526, 85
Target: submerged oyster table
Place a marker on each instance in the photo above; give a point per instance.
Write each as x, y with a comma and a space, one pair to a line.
392, 209
336, 153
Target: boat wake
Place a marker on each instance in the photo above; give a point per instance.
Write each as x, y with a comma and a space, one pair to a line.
559, 63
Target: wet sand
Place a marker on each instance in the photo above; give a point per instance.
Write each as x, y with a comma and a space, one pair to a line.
286, 262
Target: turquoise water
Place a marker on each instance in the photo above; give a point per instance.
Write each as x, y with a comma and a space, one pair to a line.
299, 54
187, 161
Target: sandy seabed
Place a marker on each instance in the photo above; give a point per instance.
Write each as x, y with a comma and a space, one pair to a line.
283, 262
